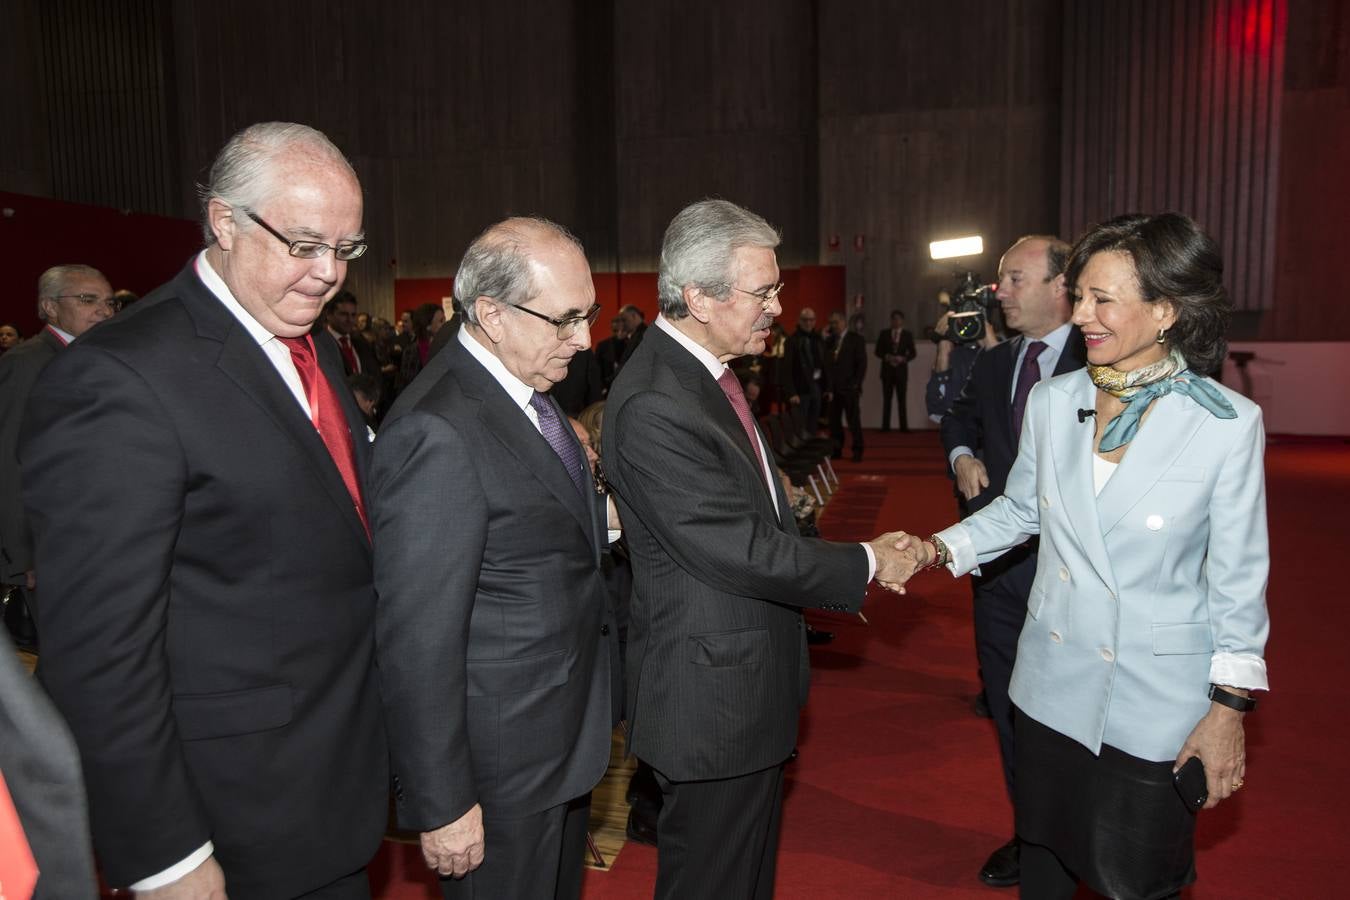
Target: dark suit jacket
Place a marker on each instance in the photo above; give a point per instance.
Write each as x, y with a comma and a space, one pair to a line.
208, 605
608, 353
805, 355
981, 418
494, 643
886, 347
717, 665
41, 768
844, 370
582, 385
19, 370
631, 345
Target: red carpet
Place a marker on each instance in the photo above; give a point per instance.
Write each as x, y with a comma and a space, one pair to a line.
897, 791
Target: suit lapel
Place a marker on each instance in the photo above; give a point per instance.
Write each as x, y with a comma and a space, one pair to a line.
512, 428
1071, 456
1162, 437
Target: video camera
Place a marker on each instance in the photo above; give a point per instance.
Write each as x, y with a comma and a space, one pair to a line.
968, 308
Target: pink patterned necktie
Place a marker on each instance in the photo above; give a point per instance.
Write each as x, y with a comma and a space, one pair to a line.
731, 386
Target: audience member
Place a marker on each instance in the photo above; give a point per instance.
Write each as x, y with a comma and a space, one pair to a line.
717, 657
635, 326
338, 325
951, 367
193, 474
845, 367
1147, 631
895, 349
71, 300
124, 298
610, 351
805, 364
368, 393
426, 320
9, 337
495, 651
582, 385
987, 420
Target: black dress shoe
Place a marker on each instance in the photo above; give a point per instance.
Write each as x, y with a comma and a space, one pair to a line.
815, 636
640, 830
1003, 868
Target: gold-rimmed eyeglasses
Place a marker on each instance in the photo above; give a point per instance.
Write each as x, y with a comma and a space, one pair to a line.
766, 296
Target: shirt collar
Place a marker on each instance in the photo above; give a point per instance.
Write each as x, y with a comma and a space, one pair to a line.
714, 365
216, 285
1055, 339
62, 333
519, 392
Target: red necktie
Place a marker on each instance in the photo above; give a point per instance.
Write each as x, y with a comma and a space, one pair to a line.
348, 354
326, 412
731, 386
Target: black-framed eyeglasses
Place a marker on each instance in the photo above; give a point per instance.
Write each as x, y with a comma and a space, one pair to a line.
766, 296
311, 249
569, 326
112, 304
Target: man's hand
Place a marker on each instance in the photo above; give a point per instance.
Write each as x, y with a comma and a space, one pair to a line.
897, 560
971, 476
1218, 739
456, 849
31, 578
612, 513
795, 400
206, 882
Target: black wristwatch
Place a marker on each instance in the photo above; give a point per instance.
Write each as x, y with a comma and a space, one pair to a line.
1231, 700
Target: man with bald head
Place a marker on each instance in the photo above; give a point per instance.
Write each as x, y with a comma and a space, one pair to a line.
71, 300
194, 473
980, 435
494, 640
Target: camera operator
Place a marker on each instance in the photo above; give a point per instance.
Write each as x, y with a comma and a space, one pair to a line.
952, 365
980, 435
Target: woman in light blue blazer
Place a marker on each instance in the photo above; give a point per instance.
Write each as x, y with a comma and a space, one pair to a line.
1146, 624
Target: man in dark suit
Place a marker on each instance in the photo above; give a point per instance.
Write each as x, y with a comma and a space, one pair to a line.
895, 349
609, 351
717, 663
582, 386
338, 324
71, 300
635, 326
980, 435
806, 370
495, 646
845, 366
193, 470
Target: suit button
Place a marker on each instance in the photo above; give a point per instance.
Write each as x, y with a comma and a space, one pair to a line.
1045, 502
1154, 522
1063, 574
604, 629
1054, 636
1107, 654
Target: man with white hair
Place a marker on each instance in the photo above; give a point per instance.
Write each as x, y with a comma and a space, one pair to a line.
717, 665
71, 300
194, 472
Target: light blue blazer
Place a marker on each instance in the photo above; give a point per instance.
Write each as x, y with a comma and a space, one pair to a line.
1139, 590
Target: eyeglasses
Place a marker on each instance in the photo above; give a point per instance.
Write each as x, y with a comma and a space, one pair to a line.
766, 296
569, 326
87, 300
311, 249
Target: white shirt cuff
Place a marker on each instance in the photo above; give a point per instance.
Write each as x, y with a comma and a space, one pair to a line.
871, 562
1239, 670
177, 870
956, 454
963, 558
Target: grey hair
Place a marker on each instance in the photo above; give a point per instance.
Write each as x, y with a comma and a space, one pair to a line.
52, 282
241, 176
698, 249
496, 264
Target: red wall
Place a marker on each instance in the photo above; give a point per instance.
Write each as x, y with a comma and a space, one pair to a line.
136, 251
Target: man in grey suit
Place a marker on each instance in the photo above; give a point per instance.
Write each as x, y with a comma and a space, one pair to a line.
40, 768
71, 300
717, 665
494, 642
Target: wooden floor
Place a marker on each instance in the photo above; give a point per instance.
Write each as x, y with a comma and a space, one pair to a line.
609, 807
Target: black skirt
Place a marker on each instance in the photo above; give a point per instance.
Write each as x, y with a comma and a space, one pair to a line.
1114, 821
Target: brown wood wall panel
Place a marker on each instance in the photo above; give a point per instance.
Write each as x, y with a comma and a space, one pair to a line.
1175, 105
939, 122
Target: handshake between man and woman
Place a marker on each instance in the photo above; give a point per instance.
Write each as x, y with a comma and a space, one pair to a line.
900, 555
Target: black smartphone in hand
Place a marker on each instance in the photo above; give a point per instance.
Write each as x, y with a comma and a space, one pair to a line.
1190, 783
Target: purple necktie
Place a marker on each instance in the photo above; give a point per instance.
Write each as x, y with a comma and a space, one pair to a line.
552, 427
1026, 380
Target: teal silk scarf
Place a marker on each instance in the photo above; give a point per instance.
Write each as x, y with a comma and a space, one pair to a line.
1138, 389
